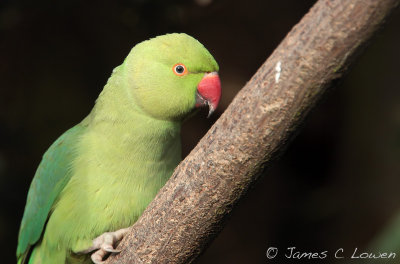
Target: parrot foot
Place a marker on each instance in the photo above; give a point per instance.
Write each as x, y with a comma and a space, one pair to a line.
104, 244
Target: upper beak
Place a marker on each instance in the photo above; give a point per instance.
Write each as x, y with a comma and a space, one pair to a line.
209, 91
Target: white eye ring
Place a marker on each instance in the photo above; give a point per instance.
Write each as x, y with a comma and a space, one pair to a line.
179, 69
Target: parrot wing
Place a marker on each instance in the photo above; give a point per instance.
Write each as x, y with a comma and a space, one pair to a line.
50, 178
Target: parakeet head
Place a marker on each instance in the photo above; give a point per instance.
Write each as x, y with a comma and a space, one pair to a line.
170, 75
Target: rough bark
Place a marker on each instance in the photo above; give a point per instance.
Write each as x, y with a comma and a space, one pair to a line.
189, 210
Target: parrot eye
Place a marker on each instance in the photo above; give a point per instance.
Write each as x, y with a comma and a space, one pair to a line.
179, 69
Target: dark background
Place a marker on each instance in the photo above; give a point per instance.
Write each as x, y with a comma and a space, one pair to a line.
336, 186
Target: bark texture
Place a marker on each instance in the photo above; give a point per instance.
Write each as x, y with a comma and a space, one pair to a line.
189, 210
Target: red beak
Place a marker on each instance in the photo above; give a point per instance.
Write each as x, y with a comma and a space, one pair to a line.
209, 92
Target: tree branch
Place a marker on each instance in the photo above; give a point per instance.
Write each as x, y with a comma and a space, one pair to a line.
190, 209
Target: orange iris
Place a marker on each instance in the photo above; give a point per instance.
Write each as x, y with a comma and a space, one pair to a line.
179, 69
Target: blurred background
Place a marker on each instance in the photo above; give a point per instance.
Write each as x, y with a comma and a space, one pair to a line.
336, 186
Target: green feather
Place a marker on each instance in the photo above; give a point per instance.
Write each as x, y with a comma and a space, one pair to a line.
50, 178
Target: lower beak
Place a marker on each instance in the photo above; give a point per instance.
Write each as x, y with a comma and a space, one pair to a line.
209, 92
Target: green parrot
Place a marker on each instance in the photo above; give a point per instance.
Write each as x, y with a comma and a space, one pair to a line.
98, 177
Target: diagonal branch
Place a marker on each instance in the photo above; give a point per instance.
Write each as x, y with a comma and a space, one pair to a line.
189, 211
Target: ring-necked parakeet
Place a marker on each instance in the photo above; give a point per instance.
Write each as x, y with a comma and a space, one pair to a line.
101, 174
